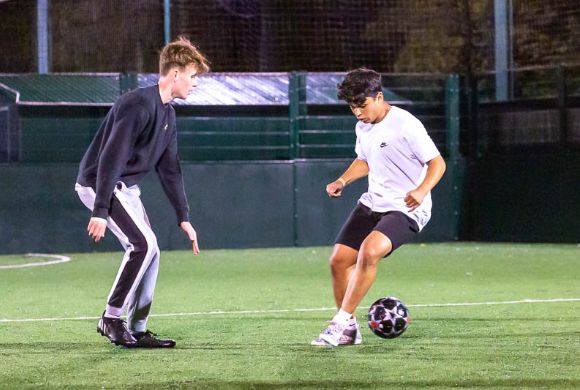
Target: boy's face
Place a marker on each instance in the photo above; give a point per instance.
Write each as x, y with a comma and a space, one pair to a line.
371, 110
184, 81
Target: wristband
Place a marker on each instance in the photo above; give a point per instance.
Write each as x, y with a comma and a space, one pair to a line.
340, 179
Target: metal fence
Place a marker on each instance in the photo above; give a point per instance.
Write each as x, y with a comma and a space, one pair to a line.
231, 116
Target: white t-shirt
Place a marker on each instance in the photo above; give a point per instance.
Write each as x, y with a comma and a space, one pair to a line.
396, 150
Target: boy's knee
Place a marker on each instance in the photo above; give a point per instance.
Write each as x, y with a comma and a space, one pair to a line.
339, 261
146, 246
370, 256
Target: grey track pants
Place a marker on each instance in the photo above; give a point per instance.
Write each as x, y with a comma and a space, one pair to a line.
133, 287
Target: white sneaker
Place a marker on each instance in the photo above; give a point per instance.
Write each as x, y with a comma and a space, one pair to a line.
350, 335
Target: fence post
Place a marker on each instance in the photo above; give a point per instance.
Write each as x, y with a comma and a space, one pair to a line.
452, 115
472, 101
454, 170
43, 35
167, 21
296, 98
562, 102
502, 27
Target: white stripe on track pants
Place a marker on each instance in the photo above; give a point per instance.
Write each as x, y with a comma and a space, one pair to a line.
137, 275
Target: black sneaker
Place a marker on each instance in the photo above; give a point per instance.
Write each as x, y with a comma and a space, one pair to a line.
115, 330
147, 339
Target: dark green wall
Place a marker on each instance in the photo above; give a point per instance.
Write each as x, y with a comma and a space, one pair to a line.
233, 205
531, 196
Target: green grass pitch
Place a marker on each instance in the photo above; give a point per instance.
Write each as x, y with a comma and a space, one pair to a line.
244, 319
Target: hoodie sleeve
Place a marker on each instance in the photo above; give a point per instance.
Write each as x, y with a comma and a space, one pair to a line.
169, 171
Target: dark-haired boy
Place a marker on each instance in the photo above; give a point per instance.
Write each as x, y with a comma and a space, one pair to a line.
403, 165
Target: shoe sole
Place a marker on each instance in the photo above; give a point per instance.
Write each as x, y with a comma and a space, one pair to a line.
322, 343
329, 341
154, 347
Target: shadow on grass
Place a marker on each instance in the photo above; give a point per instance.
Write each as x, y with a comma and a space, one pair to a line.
52, 347
494, 336
375, 384
490, 319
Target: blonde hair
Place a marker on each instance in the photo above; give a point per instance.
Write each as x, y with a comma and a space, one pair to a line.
181, 53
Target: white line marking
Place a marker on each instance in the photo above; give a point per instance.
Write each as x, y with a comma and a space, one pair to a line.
216, 312
497, 302
59, 259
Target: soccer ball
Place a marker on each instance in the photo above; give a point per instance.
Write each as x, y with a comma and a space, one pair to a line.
388, 317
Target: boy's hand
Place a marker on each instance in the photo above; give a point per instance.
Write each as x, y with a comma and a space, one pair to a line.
334, 189
414, 199
191, 233
96, 228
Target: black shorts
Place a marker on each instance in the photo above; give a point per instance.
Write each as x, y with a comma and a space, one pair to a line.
398, 227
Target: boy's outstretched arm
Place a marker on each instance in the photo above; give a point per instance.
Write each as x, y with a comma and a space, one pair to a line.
435, 170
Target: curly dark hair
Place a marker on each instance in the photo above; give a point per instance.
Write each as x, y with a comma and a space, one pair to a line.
358, 85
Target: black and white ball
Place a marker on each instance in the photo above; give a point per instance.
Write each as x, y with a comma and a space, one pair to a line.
388, 317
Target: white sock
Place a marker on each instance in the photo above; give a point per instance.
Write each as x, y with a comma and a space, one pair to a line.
352, 322
342, 317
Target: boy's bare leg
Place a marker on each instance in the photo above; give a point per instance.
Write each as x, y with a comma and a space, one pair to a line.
372, 250
342, 264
